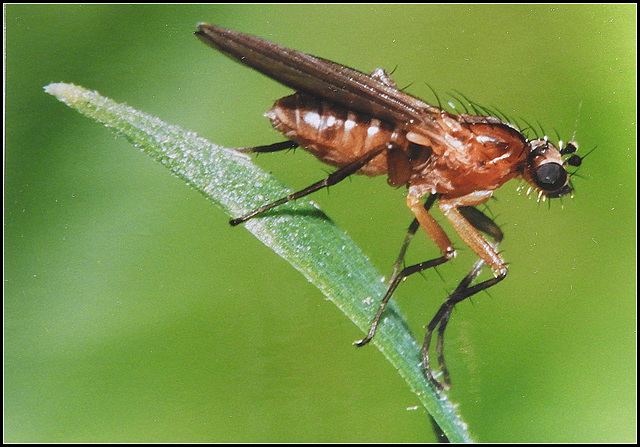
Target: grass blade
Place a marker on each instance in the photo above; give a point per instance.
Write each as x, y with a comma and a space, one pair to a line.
299, 232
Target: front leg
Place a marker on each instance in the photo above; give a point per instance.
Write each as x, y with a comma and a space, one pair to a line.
469, 234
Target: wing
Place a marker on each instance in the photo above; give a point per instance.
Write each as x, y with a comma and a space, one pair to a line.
321, 78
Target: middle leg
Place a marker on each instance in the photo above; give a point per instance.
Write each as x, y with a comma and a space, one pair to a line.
398, 275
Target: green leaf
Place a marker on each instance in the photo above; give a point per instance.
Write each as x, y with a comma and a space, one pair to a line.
298, 231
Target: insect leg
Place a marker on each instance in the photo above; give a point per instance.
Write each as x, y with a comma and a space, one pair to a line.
488, 226
398, 275
275, 147
464, 226
441, 319
475, 216
392, 287
478, 221
333, 178
436, 233
429, 224
413, 228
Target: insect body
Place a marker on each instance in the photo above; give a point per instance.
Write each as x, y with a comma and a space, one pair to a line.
364, 124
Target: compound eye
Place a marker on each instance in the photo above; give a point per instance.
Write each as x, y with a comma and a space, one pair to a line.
550, 176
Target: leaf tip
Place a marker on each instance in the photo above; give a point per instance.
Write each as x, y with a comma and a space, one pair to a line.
70, 94
59, 89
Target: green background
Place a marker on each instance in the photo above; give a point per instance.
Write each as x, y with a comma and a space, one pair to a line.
134, 313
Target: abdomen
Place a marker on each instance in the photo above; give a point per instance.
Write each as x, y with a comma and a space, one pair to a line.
332, 133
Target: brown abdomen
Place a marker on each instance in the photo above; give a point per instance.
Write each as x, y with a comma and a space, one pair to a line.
332, 133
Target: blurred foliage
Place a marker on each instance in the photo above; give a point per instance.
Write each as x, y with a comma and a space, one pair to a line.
133, 313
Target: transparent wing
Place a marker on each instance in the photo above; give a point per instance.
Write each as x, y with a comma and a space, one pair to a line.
322, 78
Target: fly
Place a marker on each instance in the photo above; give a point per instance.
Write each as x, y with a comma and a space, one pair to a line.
363, 124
